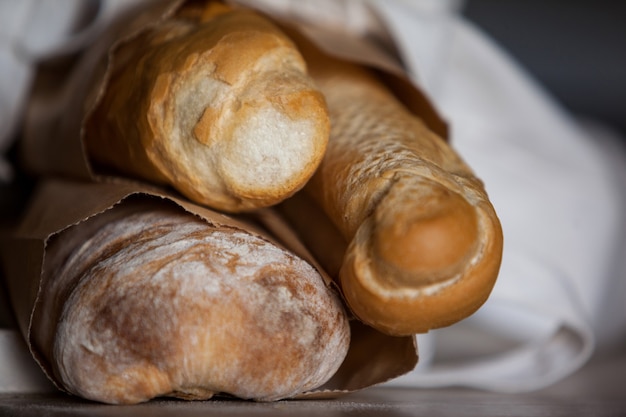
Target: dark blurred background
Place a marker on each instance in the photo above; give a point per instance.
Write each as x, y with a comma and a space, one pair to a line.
575, 48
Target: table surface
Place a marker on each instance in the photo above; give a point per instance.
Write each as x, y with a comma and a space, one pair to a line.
599, 389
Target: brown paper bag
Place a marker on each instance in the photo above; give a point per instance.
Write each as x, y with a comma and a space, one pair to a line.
373, 357
52, 143
52, 148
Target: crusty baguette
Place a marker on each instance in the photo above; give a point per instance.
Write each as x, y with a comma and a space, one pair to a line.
147, 300
215, 102
423, 243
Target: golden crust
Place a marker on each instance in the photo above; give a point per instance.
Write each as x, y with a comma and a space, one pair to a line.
424, 242
219, 107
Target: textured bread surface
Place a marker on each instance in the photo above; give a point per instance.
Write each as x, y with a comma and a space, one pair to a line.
215, 102
146, 301
424, 243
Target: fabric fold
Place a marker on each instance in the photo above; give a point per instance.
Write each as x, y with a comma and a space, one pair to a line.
559, 201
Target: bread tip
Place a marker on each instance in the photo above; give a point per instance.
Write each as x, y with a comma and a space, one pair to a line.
428, 244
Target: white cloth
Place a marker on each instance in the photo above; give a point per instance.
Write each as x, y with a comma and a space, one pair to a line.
18, 371
560, 194
31, 31
559, 191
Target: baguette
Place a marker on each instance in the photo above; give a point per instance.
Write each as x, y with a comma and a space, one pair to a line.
147, 300
421, 241
215, 102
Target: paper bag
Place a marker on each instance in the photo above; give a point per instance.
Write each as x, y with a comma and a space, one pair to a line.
52, 148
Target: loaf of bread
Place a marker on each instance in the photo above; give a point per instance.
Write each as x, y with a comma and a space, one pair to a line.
215, 102
422, 242
147, 300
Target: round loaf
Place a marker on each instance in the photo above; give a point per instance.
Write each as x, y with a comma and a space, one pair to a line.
147, 300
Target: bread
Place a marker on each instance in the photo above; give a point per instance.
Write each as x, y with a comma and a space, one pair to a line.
422, 241
147, 300
215, 102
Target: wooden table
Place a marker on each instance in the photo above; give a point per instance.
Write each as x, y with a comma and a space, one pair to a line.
599, 389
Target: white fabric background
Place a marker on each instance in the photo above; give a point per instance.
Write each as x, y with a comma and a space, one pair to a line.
559, 188
560, 192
